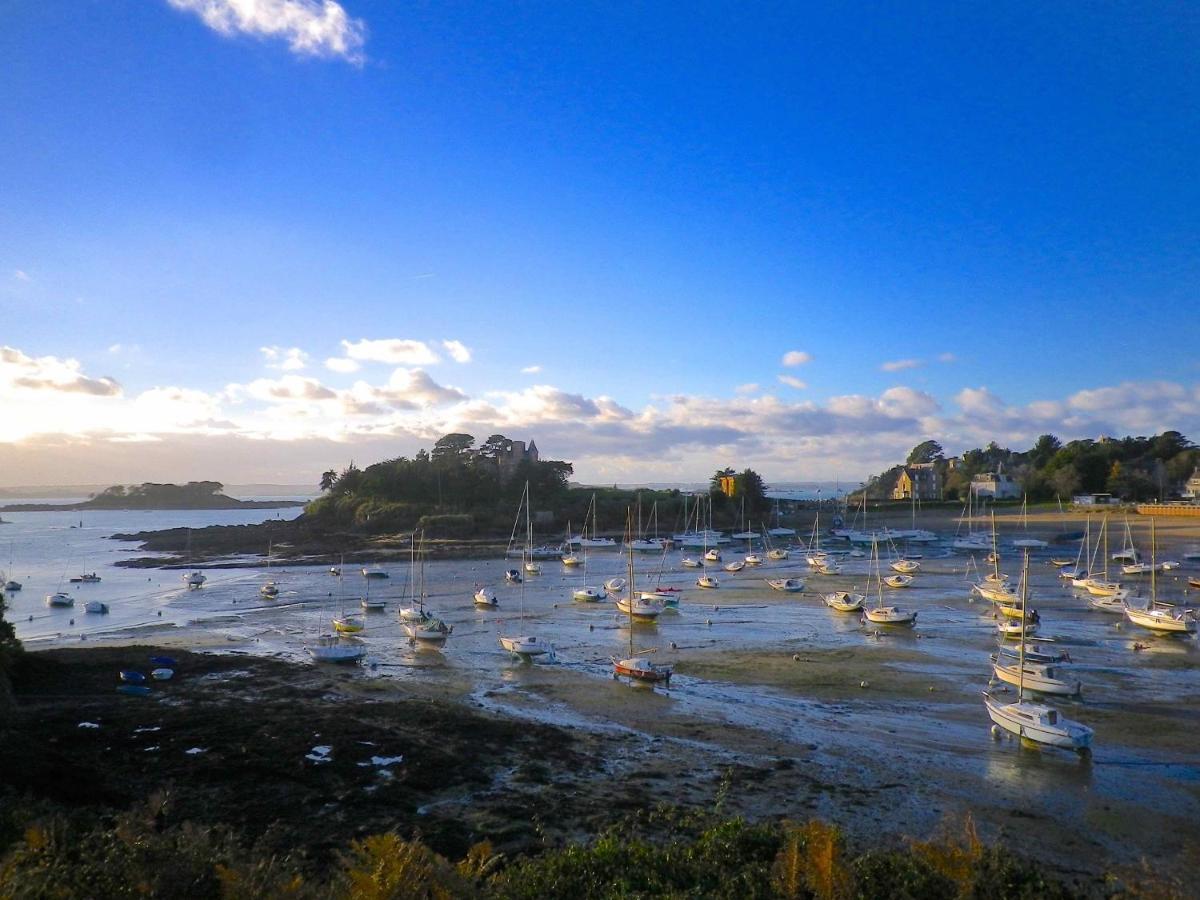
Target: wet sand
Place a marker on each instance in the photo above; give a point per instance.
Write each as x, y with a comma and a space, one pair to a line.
767, 714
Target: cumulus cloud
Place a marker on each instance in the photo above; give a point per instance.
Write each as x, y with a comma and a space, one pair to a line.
531, 370
744, 389
796, 358
318, 28
899, 365
393, 351
792, 381
342, 364
288, 387
50, 373
291, 359
413, 388
458, 351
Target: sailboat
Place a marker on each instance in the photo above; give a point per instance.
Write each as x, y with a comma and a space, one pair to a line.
414, 610
1107, 596
1072, 572
333, 648
570, 559
636, 666
193, 579
994, 587
9, 583
816, 557
270, 589
1034, 722
773, 552
643, 544
1045, 678
524, 646
1027, 542
594, 542
1162, 618
880, 614
972, 541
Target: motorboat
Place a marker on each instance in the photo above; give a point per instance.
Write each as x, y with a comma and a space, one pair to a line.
689, 562
485, 597
96, 607
713, 555
736, 566
513, 576
195, 579
374, 572
270, 590
59, 599
89, 578
12, 586
753, 559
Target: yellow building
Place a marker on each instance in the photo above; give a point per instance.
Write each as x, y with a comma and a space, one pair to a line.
920, 480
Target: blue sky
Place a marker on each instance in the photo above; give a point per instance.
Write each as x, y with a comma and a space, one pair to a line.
650, 203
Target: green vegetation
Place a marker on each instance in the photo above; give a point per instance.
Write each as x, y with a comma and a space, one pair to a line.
193, 495
460, 490
10, 649
667, 852
1129, 468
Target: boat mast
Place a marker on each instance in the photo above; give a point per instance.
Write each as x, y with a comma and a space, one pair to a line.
1104, 532
1024, 625
995, 549
1153, 566
629, 544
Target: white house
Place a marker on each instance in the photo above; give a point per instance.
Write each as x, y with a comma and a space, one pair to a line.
996, 485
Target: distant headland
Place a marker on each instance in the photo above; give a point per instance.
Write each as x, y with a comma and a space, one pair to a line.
193, 495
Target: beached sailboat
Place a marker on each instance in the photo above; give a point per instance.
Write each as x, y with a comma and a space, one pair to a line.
971, 541
708, 581
636, 666
570, 559
524, 646
1034, 722
1108, 596
192, 579
594, 541
334, 648
1044, 678
269, 589
898, 581
882, 614
1159, 617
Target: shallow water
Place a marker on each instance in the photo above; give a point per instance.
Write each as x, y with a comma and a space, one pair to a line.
919, 721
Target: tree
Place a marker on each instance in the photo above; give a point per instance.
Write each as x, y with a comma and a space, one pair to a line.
453, 447
493, 446
1065, 482
1044, 449
925, 452
328, 480
10, 649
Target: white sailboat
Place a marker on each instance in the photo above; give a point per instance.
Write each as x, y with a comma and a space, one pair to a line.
787, 585
524, 646
1034, 722
269, 589
197, 578
972, 541
881, 614
334, 648
1027, 542
1161, 618
1042, 677
594, 542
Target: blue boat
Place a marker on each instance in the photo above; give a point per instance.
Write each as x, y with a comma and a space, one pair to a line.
129, 676
133, 690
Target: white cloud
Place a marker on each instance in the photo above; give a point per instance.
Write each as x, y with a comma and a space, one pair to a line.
899, 365
21, 275
49, 373
531, 370
288, 387
319, 28
947, 358
393, 351
793, 381
796, 358
291, 359
341, 364
458, 351
745, 389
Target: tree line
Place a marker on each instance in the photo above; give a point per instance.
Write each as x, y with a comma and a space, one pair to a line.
1129, 468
